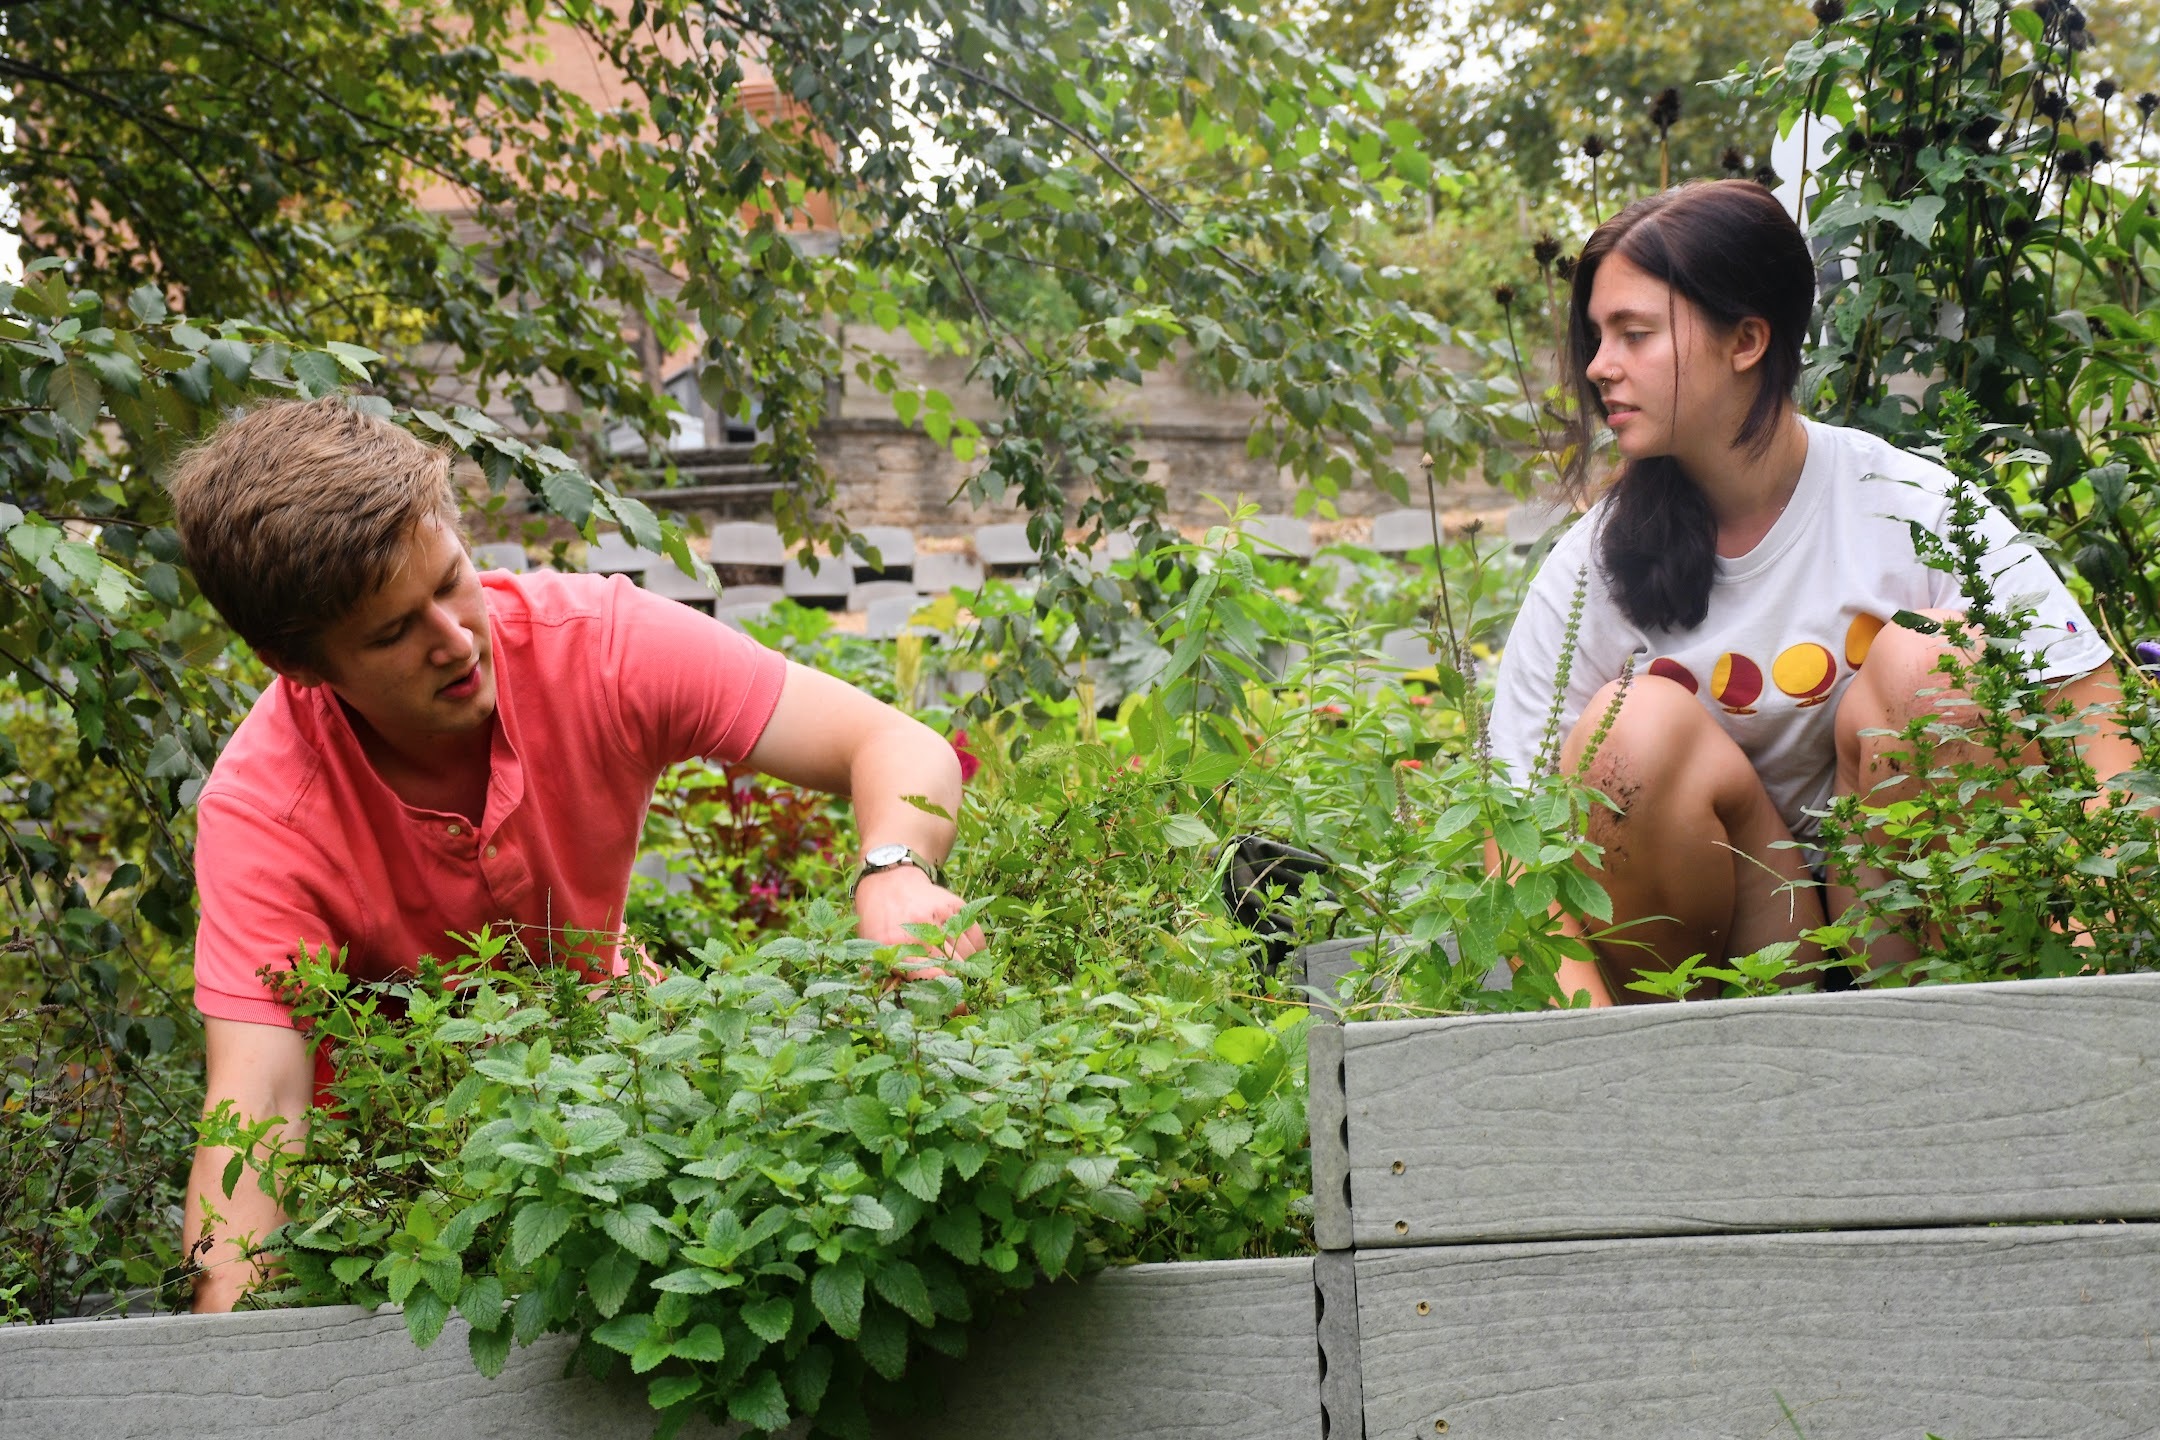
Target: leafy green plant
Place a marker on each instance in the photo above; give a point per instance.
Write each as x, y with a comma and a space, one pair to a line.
2007, 857
1985, 189
767, 1184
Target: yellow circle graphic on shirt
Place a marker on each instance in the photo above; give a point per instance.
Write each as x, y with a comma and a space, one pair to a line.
1806, 672
1860, 638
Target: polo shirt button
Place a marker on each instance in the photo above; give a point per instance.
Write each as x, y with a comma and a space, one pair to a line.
457, 829
491, 852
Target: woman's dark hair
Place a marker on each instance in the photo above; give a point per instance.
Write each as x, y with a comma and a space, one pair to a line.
1728, 248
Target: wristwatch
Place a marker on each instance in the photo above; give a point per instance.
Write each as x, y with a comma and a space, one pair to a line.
890, 857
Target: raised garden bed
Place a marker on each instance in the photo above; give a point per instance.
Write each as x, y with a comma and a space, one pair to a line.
1882, 1213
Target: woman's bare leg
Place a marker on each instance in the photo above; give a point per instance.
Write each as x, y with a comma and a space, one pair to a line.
1692, 856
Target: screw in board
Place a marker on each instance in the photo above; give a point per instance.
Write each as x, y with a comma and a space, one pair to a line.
1439, 1427
1397, 1167
1424, 1307
1402, 1227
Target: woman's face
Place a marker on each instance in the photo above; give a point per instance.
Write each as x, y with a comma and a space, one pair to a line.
1667, 376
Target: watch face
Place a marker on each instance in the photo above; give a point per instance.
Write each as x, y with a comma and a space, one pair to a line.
886, 855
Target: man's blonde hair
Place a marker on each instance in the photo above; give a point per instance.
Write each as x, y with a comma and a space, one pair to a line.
295, 511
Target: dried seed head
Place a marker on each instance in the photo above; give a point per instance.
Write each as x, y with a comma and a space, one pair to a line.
1912, 137
1829, 12
1504, 296
2095, 153
1733, 161
1944, 41
2147, 102
2107, 89
2017, 227
2071, 162
1564, 267
1977, 133
2051, 104
1545, 249
1665, 108
1593, 145
1856, 140
1768, 178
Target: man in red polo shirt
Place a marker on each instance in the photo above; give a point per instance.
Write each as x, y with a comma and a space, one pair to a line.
443, 750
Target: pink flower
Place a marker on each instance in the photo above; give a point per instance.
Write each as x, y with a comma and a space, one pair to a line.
1421, 699
969, 762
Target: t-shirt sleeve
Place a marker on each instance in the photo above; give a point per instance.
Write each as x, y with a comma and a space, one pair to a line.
2060, 637
253, 914
686, 685
1531, 662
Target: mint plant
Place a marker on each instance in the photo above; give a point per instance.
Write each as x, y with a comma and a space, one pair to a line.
761, 1183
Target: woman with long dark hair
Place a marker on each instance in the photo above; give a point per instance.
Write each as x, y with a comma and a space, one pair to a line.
1748, 561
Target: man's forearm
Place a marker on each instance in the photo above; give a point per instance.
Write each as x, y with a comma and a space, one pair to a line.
228, 1227
887, 770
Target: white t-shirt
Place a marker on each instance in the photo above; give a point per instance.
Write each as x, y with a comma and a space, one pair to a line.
1790, 621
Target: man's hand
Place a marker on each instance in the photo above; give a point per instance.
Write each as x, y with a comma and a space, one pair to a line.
891, 900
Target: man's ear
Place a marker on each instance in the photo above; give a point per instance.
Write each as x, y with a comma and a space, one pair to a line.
1750, 342
292, 671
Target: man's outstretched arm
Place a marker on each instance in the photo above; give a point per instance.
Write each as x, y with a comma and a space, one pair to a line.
827, 735
265, 1071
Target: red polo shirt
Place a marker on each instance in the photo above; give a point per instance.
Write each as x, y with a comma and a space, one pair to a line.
599, 688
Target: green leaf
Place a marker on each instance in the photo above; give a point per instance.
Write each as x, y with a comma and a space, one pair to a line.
650, 1354
355, 358
636, 1228
569, 495
73, 391
966, 1157
922, 1174
1186, 831
609, 1279
425, 1314
625, 1332
883, 1341
688, 1281
704, 1342
864, 1210
760, 1402
482, 1303
669, 1390
901, 1284
490, 1349
837, 1291
535, 1229
770, 1320
1051, 1237
1243, 1044
318, 374
1092, 1171
867, 1118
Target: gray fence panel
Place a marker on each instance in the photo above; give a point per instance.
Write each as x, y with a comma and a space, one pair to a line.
1969, 1334
1949, 1105
1217, 1351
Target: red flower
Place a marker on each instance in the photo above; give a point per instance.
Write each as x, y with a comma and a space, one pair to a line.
1411, 764
1329, 710
969, 763
1421, 699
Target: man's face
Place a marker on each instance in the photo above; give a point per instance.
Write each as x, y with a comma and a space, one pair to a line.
413, 658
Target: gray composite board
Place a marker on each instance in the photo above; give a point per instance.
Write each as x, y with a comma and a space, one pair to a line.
1964, 1333
1223, 1349
1205, 1350
1947, 1105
